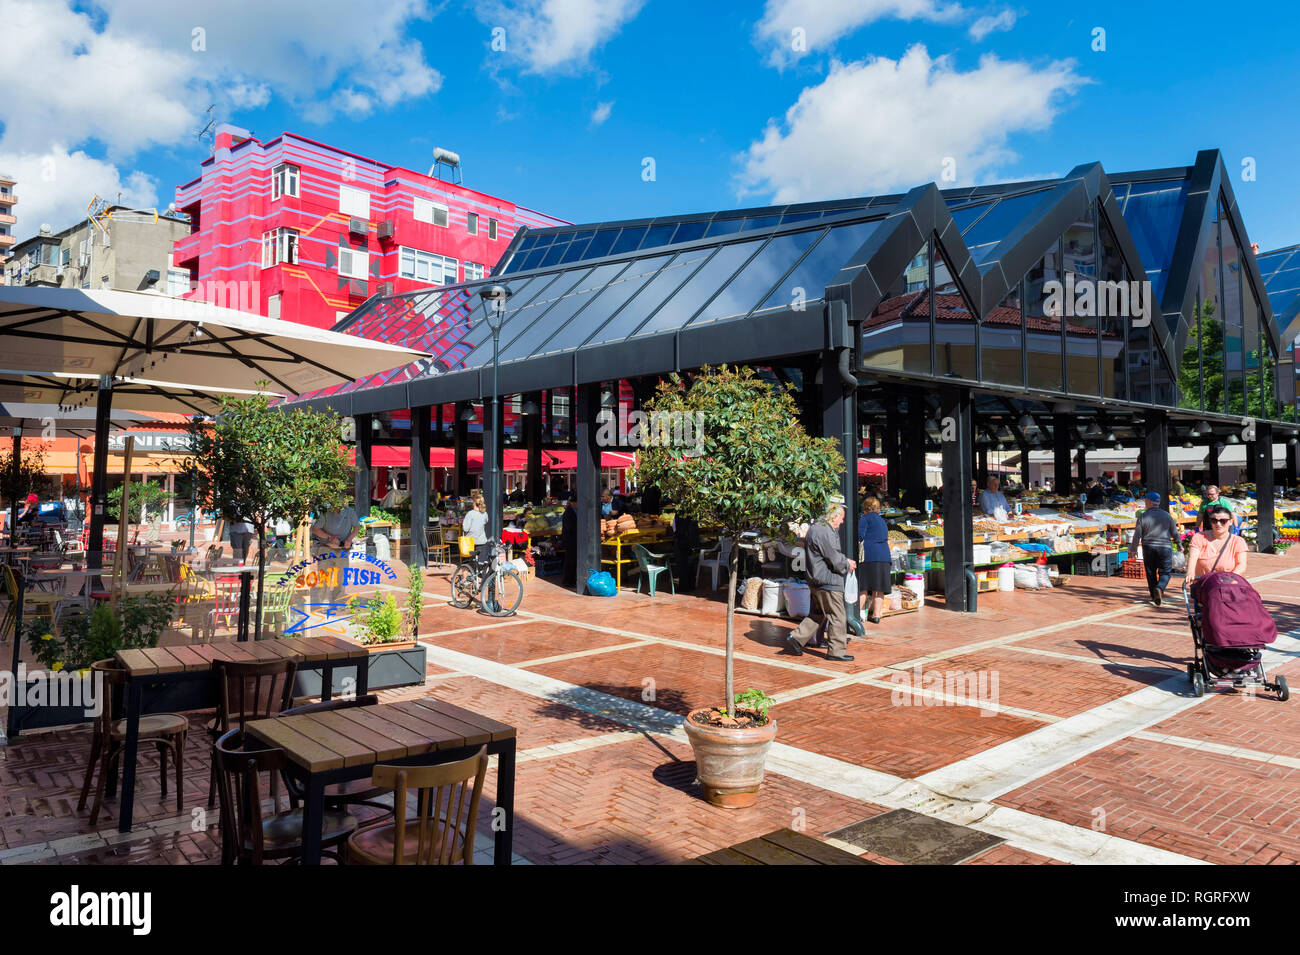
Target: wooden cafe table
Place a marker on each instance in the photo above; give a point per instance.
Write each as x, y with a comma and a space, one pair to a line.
185, 678
334, 747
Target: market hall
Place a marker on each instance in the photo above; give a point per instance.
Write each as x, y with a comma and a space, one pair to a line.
1068, 315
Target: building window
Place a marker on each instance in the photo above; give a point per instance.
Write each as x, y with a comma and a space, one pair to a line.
427, 267
432, 212
284, 181
273, 306
178, 280
471, 223
279, 245
474, 271
354, 202
492, 229
354, 264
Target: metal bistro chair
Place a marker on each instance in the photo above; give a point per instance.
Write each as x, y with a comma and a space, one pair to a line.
225, 591
438, 545
650, 571
165, 730
442, 830
250, 836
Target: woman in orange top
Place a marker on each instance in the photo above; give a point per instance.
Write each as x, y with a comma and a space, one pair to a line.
1220, 539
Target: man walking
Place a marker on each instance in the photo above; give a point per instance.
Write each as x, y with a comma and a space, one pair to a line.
827, 566
1157, 533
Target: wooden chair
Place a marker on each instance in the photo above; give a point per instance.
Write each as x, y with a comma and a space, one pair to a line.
275, 604
441, 832
438, 545
250, 836
165, 730
249, 691
358, 792
225, 591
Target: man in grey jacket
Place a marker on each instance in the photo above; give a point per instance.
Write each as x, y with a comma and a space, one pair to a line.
827, 566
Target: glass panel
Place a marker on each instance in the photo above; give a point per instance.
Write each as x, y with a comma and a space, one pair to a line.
527, 242
896, 336
601, 243
1153, 212
1081, 320
799, 216
532, 260
532, 339
519, 312
628, 240
1110, 267
677, 311
606, 303
1043, 318
757, 279
808, 280
954, 332
759, 222
1001, 335
658, 235
652, 294
1233, 330
690, 231
553, 254
983, 237
966, 216
577, 250
722, 227
1268, 379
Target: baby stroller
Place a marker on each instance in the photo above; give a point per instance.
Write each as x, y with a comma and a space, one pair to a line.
1230, 628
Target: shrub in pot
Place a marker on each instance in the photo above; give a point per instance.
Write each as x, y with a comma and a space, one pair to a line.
748, 466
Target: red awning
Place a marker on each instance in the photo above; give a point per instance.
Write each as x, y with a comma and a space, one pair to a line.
515, 459
869, 468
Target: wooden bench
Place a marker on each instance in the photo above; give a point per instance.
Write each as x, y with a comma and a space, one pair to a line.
782, 847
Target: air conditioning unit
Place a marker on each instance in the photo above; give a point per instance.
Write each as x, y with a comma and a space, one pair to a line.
83, 260
385, 288
357, 226
385, 229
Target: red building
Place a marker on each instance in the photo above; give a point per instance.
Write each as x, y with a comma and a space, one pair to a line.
299, 230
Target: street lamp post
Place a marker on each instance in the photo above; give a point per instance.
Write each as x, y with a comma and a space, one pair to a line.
494, 305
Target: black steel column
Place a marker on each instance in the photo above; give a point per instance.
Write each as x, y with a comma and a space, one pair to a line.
491, 454
1081, 458
99, 480
460, 446
893, 459
1291, 450
1212, 462
586, 427
15, 461
1061, 467
1262, 457
361, 483
914, 452
839, 421
1155, 474
958, 555
421, 443
982, 467
1252, 458
533, 439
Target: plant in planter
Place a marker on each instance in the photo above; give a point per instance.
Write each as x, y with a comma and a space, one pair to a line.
751, 467
414, 601
82, 638
380, 622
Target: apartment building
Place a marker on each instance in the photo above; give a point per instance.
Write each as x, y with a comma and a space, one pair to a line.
296, 229
8, 221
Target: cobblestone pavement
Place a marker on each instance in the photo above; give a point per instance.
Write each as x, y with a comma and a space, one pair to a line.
1061, 723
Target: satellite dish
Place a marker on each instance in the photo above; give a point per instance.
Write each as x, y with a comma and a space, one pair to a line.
46, 229
171, 207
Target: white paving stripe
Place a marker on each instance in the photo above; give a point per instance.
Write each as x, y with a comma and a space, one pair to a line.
577, 654
1057, 840
1236, 752
1010, 765
1095, 661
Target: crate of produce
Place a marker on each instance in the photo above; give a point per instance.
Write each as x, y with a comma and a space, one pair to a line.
1134, 569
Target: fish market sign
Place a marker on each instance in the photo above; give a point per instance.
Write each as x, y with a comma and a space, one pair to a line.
150, 440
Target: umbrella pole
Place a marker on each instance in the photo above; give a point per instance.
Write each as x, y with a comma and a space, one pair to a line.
123, 523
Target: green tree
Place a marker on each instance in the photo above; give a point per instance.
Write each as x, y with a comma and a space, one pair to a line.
259, 464
752, 467
1202, 362
25, 476
154, 497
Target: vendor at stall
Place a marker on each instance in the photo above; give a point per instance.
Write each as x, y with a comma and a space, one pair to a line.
1214, 498
992, 499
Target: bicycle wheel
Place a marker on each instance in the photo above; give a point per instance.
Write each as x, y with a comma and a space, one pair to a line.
503, 592
464, 588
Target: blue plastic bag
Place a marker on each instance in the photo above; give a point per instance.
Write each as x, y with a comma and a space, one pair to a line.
601, 584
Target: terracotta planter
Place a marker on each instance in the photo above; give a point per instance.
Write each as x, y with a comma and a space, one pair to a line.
729, 762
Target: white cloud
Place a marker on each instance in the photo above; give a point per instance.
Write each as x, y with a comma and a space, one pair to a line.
556, 36
882, 125
138, 74
601, 113
989, 24
54, 187
795, 28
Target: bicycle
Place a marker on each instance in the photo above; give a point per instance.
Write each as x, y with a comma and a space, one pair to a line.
499, 590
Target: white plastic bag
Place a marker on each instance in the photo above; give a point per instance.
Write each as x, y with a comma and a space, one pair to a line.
1180, 562
1027, 577
850, 588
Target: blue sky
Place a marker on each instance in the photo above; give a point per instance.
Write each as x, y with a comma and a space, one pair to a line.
884, 95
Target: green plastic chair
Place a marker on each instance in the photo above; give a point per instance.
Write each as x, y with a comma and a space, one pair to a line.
275, 603
651, 571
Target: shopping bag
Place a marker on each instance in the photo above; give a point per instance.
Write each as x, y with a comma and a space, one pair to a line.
466, 546
601, 584
850, 588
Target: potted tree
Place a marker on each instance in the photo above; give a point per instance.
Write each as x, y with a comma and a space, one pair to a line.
750, 467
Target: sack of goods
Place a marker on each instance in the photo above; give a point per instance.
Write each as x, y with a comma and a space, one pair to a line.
752, 592
1027, 577
771, 591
